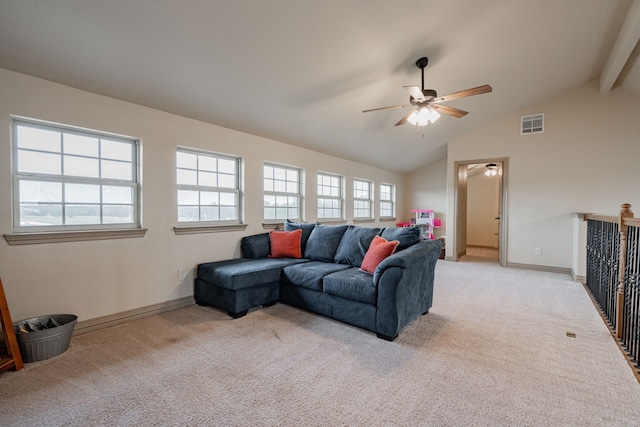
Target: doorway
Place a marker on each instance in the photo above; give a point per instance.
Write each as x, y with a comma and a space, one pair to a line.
481, 210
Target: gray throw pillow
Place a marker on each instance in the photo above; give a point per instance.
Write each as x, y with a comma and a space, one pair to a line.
323, 242
407, 236
256, 246
354, 245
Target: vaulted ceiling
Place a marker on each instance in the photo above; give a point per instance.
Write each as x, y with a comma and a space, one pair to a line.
302, 71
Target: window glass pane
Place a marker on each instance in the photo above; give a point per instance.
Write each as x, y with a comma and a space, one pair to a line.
279, 186
117, 214
228, 199
279, 173
187, 160
207, 179
209, 198
292, 201
207, 163
292, 187
38, 139
81, 166
82, 214
227, 166
281, 212
188, 213
269, 213
292, 175
269, 200
209, 213
116, 150
187, 197
187, 177
228, 213
81, 145
117, 195
116, 170
268, 172
81, 193
40, 214
42, 163
293, 213
40, 192
268, 184
226, 181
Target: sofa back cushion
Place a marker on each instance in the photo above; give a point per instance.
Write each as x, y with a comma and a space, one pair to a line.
354, 245
306, 230
407, 236
256, 246
323, 242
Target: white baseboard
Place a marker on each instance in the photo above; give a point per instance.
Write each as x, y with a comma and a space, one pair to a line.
129, 315
539, 268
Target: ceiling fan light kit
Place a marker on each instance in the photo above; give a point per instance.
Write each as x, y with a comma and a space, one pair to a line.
426, 104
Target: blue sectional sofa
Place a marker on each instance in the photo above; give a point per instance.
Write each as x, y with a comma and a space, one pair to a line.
327, 279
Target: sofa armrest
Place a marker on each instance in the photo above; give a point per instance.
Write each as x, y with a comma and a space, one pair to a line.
405, 286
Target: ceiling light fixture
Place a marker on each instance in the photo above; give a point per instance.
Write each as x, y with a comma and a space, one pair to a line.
423, 116
492, 170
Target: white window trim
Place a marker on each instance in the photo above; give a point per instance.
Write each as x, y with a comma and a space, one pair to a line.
276, 223
340, 198
25, 235
392, 200
212, 226
368, 200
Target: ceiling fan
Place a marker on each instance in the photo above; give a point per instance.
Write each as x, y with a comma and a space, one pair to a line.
427, 104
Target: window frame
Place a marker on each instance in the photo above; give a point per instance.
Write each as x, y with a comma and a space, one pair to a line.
368, 200
391, 200
236, 190
297, 195
58, 232
339, 198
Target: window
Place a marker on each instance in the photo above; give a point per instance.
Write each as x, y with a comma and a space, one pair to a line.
282, 195
362, 199
208, 187
387, 201
67, 179
329, 196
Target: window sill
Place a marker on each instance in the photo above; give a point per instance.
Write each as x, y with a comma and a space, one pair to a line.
388, 219
273, 225
331, 221
209, 229
72, 236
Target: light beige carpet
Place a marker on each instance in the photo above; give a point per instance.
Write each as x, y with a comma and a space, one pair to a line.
493, 351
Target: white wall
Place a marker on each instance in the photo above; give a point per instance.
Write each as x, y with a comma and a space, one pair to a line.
585, 161
482, 208
426, 188
99, 278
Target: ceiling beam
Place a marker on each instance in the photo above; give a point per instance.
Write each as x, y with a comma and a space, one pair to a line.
624, 45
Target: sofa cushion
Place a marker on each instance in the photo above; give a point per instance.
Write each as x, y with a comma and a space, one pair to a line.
285, 244
243, 273
310, 274
379, 250
256, 246
407, 236
323, 242
354, 245
306, 230
352, 284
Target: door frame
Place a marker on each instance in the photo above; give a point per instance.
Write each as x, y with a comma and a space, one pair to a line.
460, 226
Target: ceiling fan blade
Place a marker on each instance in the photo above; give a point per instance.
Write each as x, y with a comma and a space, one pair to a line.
464, 93
415, 92
387, 108
403, 120
455, 112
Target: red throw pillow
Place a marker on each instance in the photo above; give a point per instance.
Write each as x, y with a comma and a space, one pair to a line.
379, 249
285, 244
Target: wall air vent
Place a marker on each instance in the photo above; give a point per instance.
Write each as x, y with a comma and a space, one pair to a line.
533, 123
